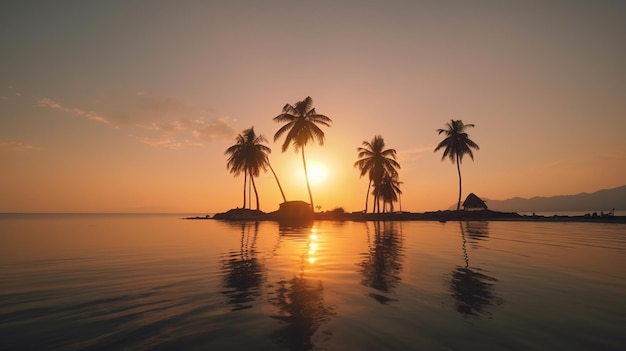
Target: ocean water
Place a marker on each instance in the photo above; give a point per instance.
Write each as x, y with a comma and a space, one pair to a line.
158, 282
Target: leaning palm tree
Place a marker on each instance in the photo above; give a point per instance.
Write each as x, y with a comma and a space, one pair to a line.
282, 193
456, 145
301, 122
249, 156
375, 161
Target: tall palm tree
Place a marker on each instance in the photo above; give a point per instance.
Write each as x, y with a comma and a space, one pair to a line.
249, 156
375, 161
388, 190
457, 144
301, 122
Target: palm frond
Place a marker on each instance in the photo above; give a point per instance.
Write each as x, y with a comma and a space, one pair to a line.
285, 117
457, 143
321, 119
316, 133
282, 130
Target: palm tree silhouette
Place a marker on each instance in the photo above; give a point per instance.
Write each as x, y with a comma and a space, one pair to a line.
376, 162
301, 127
388, 190
456, 145
249, 156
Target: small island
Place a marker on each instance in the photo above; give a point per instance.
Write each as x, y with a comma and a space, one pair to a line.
295, 212
301, 125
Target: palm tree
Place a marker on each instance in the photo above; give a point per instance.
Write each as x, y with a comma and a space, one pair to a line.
456, 145
301, 127
376, 162
388, 190
249, 156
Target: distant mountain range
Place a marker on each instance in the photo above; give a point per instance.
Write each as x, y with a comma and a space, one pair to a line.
601, 200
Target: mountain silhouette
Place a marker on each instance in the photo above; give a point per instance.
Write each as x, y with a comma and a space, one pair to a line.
601, 200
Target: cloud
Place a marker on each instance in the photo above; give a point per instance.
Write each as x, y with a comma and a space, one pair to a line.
216, 129
15, 146
161, 142
47, 102
415, 153
144, 110
155, 120
9, 93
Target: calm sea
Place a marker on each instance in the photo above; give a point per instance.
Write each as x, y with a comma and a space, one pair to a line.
157, 282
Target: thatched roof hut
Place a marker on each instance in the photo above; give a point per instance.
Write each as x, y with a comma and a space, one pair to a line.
473, 202
295, 212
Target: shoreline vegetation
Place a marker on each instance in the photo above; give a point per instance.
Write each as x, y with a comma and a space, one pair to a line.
240, 214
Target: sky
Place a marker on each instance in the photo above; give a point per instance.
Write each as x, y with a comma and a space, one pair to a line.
128, 106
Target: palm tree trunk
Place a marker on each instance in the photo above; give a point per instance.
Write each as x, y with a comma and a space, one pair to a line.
249, 195
306, 176
256, 194
458, 168
368, 194
277, 182
245, 181
374, 201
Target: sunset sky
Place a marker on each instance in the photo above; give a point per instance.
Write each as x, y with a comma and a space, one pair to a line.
128, 106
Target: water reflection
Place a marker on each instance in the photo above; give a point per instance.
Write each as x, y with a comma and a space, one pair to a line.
477, 231
243, 271
300, 300
472, 288
301, 306
382, 263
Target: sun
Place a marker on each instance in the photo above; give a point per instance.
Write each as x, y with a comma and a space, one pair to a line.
317, 173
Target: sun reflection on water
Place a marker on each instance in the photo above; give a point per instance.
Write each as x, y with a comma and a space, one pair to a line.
312, 246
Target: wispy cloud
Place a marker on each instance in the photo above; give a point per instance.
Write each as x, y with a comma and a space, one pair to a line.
161, 142
216, 129
15, 146
47, 102
9, 93
155, 120
415, 153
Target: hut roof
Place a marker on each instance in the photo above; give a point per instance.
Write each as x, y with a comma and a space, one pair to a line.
474, 202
